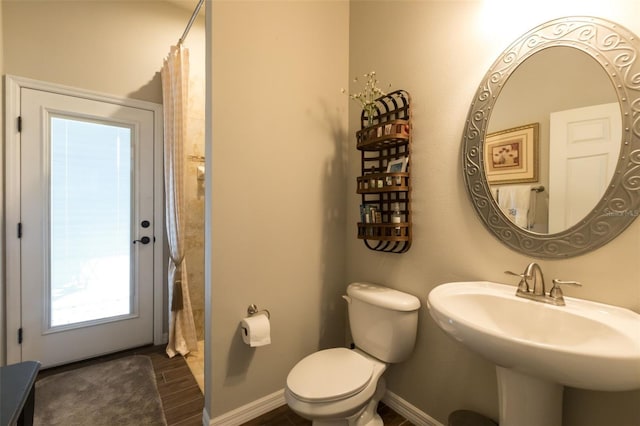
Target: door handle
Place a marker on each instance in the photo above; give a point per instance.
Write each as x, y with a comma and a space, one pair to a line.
143, 240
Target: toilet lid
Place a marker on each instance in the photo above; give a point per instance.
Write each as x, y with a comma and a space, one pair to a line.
330, 375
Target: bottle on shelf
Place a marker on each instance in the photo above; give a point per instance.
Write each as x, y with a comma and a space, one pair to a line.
396, 216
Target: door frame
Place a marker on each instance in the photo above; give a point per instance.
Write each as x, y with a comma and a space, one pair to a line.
13, 85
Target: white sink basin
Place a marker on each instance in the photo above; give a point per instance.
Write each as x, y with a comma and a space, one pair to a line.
584, 344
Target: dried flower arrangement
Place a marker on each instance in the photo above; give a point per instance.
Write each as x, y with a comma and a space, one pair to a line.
368, 95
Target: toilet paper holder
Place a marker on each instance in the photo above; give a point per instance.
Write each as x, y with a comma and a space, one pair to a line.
253, 310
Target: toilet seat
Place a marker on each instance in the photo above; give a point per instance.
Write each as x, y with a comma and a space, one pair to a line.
330, 375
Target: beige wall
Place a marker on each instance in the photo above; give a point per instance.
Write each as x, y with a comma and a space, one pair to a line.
278, 174
113, 47
2, 280
439, 52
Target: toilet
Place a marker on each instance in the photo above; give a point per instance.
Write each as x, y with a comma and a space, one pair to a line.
343, 386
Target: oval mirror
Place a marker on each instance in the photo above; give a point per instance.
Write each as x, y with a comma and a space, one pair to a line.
551, 148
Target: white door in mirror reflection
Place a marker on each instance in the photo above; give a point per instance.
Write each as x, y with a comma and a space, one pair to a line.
584, 148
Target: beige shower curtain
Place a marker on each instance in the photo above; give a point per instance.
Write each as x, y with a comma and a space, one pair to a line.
175, 83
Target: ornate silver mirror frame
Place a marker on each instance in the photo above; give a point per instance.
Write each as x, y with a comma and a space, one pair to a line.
616, 50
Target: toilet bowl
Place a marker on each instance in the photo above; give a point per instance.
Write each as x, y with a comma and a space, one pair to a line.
336, 386
343, 386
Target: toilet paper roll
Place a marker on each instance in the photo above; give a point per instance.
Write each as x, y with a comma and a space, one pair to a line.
256, 330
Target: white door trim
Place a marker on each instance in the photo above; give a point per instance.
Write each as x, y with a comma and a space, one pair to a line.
13, 84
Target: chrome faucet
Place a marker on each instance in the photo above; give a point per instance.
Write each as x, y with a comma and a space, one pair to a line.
537, 291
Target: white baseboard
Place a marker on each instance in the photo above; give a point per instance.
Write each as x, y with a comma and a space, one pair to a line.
409, 411
270, 402
248, 411
205, 417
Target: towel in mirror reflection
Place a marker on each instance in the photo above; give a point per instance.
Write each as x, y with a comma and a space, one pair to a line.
515, 202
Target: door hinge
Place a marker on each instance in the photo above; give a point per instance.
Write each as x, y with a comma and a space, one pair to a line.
19, 124
19, 229
20, 336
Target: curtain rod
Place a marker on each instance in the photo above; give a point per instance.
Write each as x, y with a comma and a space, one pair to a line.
193, 18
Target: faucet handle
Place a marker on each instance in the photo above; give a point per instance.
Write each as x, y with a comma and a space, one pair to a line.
523, 285
556, 291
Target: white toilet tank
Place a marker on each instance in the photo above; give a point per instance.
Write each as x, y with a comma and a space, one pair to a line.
383, 321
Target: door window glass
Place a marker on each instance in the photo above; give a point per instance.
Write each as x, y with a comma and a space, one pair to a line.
90, 228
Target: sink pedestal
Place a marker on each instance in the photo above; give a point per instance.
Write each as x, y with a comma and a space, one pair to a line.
528, 401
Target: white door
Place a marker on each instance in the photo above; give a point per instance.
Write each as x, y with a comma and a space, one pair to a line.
583, 153
86, 227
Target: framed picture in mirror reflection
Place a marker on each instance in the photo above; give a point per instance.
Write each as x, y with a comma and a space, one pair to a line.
511, 155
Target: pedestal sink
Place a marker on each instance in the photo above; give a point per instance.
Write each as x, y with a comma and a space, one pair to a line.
539, 348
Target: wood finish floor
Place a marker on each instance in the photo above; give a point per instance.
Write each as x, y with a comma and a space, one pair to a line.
183, 401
